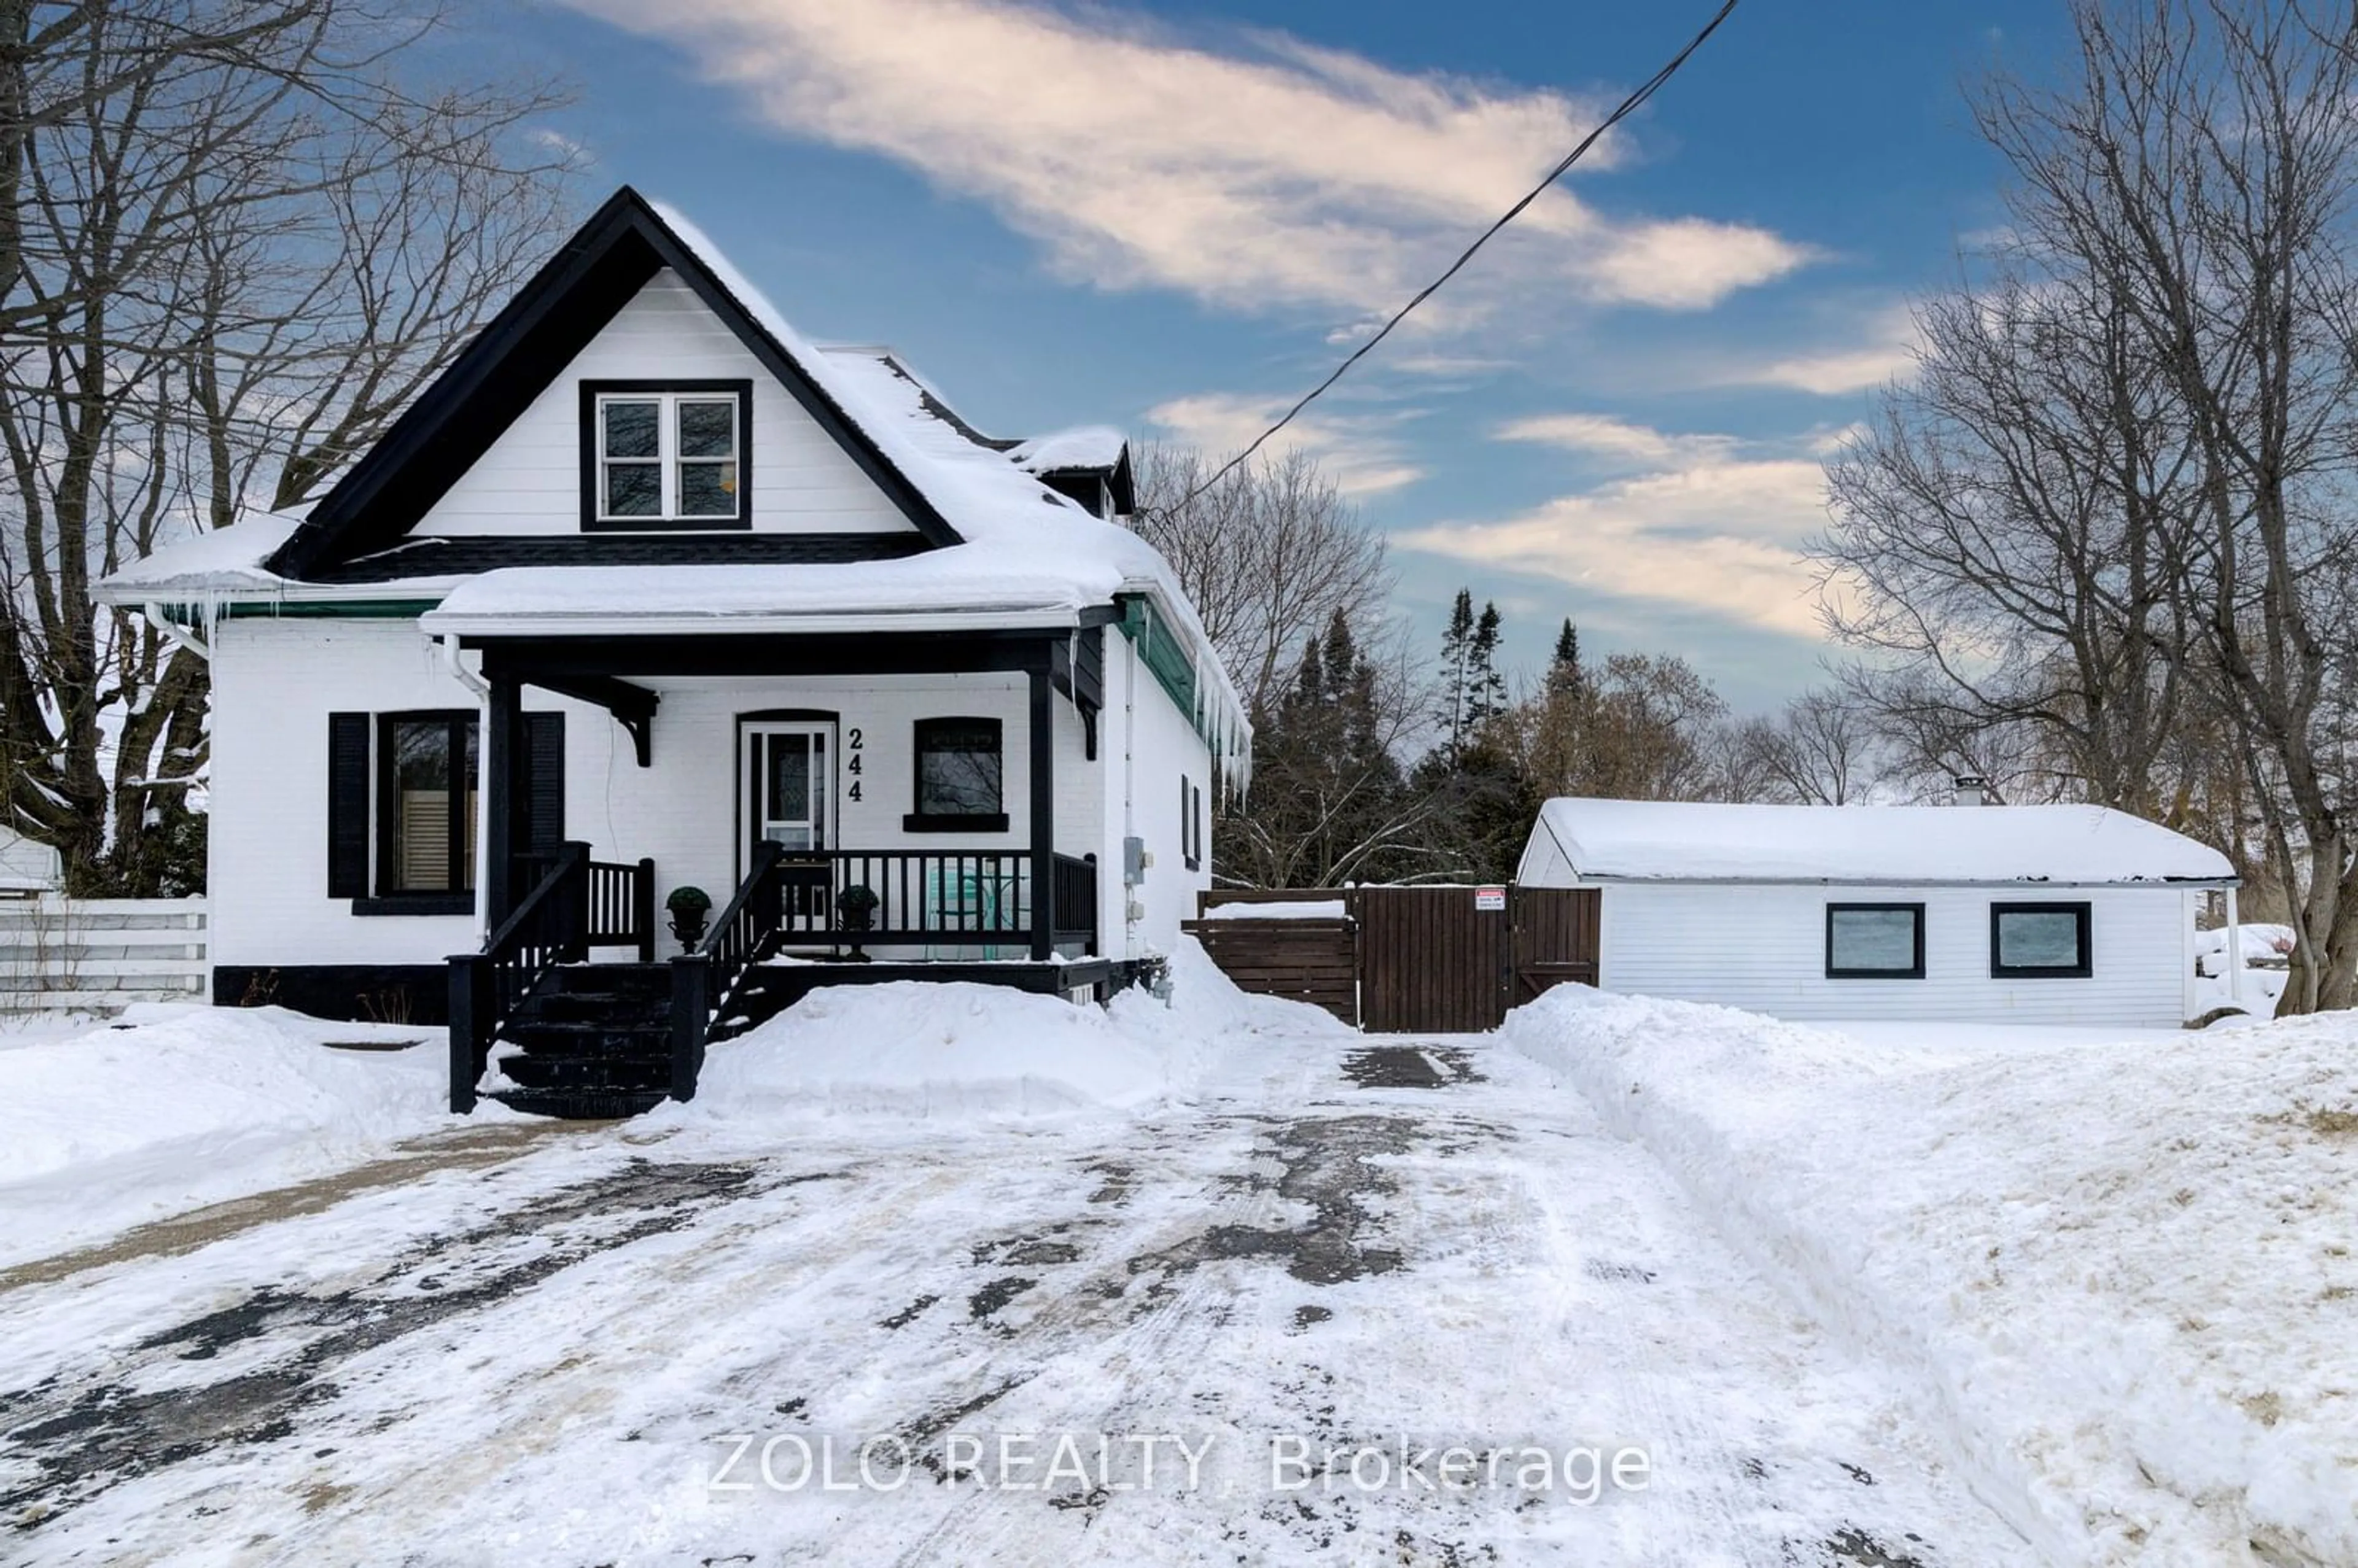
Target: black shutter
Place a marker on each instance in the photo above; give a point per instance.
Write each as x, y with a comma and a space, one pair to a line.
348, 804
544, 783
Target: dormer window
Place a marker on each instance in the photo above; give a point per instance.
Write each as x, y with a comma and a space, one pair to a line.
665, 455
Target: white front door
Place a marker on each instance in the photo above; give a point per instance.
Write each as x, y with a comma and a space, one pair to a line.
789, 784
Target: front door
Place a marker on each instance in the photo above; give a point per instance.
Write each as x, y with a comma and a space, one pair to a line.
789, 777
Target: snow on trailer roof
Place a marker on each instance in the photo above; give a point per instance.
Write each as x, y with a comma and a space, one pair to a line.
1633, 840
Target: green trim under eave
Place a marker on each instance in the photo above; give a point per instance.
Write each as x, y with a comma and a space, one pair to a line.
309, 609
1166, 659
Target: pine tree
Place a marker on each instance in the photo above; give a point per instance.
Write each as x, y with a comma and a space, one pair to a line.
1564, 674
1457, 654
1485, 687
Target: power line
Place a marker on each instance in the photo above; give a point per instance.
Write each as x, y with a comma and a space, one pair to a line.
1630, 105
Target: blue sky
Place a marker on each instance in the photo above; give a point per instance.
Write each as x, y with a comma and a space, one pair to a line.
1174, 217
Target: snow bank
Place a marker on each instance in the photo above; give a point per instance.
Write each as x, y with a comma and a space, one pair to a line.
2123, 1273
173, 1108
2261, 944
959, 1052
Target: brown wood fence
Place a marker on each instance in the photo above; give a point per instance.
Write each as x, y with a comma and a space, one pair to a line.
1419, 961
1317, 961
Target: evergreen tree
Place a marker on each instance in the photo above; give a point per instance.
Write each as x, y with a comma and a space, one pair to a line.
1456, 656
1564, 674
1485, 687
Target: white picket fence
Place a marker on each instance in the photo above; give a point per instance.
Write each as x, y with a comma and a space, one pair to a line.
72, 955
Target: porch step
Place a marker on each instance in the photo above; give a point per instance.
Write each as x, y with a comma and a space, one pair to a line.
593, 1043
588, 1037
582, 1105
634, 1074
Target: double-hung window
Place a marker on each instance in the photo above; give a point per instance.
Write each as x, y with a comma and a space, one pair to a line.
665, 455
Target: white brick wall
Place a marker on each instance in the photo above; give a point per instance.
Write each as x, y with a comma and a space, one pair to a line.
530, 482
276, 681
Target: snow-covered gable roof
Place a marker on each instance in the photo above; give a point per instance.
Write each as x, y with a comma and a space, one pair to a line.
1015, 551
1085, 448
1677, 841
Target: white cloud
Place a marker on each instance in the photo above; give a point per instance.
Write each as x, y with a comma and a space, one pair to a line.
1601, 434
1706, 527
1274, 173
1354, 451
1888, 354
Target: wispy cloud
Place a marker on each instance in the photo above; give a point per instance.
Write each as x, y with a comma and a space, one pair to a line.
1888, 353
1360, 452
1705, 526
1265, 173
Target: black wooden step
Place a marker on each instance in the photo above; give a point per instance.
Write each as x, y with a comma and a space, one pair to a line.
588, 1037
627, 979
630, 1073
580, 1105
612, 1006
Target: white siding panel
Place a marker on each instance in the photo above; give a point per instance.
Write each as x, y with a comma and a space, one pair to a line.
1164, 747
530, 480
1763, 948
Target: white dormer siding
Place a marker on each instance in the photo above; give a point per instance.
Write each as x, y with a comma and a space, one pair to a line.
530, 480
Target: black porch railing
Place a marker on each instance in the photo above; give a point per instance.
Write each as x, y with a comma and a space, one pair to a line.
573, 904
861, 898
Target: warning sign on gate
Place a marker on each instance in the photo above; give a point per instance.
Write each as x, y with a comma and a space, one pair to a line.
1490, 898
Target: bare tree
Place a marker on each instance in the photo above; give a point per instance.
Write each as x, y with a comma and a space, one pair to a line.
2199, 174
1269, 555
2007, 540
240, 239
1821, 751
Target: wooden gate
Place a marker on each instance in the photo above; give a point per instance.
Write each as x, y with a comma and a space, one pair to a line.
1430, 959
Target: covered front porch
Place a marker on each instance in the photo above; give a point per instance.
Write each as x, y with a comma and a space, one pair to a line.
863, 805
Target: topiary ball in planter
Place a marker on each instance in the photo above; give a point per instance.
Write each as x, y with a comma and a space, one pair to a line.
856, 905
690, 907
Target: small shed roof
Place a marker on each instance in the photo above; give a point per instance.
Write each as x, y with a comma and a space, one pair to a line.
1677, 841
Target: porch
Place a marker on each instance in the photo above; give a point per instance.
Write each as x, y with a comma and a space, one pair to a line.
773, 753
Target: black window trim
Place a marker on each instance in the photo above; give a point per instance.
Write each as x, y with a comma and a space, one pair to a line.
1914, 973
592, 391
1191, 835
2082, 910
382, 900
921, 821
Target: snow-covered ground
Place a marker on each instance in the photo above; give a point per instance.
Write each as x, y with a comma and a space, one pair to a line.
2120, 1275
1299, 1257
106, 1126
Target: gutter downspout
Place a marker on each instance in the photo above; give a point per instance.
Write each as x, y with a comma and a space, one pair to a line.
177, 634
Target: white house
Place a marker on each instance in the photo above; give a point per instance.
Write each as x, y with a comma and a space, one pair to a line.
2016, 913
646, 592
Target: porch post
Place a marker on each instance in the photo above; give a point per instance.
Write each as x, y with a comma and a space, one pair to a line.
502, 727
1044, 811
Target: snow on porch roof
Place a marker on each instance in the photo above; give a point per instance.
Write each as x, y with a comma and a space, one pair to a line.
936, 589
1630, 840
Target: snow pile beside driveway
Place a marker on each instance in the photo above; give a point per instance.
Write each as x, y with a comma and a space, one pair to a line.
2122, 1273
173, 1108
957, 1052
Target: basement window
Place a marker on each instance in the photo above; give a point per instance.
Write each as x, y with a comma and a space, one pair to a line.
1875, 941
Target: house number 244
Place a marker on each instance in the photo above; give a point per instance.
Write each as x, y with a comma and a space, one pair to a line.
853, 744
